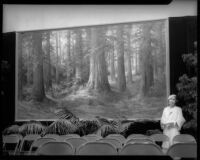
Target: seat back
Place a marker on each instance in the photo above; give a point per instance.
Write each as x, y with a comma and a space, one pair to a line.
55, 136
12, 138
92, 137
115, 142
148, 149
64, 137
183, 138
38, 142
17, 135
140, 140
136, 136
139, 137
96, 148
27, 142
119, 137
183, 150
93, 134
76, 142
70, 135
159, 137
11, 143
55, 148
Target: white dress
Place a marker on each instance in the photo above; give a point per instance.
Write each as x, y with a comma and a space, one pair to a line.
172, 115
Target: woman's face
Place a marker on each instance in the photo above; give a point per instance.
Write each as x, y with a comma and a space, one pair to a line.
172, 102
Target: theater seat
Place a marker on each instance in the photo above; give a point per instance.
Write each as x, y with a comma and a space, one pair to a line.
55, 148
27, 142
183, 138
119, 137
11, 143
115, 142
183, 150
140, 149
76, 142
37, 143
96, 148
159, 138
92, 137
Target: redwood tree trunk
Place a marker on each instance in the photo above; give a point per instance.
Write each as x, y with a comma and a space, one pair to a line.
78, 55
129, 76
38, 84
19, 49
88, 39
30, 66
98, 79
57, 58
112, 62
146, 60
49, 80
120, 60
69, 56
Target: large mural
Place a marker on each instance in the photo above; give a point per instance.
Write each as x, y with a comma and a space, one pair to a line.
113, 71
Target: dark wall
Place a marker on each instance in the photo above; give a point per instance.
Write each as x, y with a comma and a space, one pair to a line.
8, 80
182, 34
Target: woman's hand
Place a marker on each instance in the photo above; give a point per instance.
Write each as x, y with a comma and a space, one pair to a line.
162, 125
171, 125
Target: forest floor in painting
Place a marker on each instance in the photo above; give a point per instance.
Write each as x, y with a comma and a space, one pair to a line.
87, 104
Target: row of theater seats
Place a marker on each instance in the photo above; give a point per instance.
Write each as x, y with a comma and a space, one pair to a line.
114, 144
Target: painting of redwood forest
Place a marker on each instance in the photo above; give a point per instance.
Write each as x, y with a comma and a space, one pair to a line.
112, 71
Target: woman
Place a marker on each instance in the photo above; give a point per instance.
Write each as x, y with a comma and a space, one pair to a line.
171, 121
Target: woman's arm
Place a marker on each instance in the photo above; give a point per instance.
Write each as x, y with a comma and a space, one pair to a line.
163, 119
180, 119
